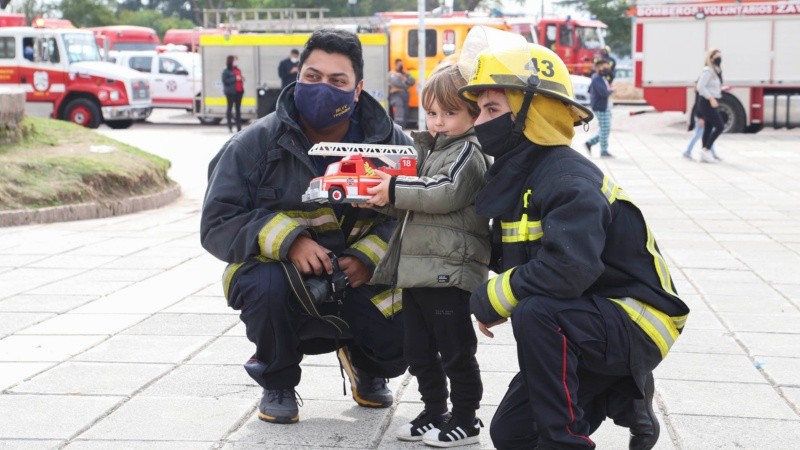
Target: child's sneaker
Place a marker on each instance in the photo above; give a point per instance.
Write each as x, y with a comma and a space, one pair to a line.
424, 422
451, 434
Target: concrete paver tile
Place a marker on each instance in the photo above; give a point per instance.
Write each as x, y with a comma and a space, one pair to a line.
44, 303
137, 261
206, 381
14, 261
44, 348
771, 344
73, 323
103, 274
171, 419
704, 320
12, 373
230, 350
237, 330
723, 399
32, 444
78, 287
709, 432
65, 261
113, 444
144, 349
11, 322
785, 371
778, 322
213, 290
719, 259
501, 358
709, 367
81, 378
793, 395
50, 416
750, 304
199, 304
182, 324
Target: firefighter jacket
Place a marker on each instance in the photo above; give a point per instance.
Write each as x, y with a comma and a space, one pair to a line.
567, 231
444, 242
253, 210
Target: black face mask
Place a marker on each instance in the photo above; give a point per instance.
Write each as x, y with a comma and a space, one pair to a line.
717, 61
495, 135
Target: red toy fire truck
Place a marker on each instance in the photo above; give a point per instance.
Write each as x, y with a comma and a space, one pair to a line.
348, 179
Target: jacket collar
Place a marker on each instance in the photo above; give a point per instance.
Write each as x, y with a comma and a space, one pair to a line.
423, 139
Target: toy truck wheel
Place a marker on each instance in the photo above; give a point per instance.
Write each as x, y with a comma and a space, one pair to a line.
336, 195
83, 112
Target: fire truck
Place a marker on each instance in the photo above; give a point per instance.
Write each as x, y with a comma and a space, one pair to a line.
63, 77
348, 180
761, 64
125, 37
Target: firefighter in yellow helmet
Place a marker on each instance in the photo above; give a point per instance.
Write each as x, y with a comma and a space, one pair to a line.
581, 277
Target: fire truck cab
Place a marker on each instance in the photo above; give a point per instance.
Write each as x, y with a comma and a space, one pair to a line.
348, 179
577, 42
63, 77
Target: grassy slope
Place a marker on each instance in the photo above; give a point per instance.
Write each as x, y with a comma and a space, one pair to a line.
54, 165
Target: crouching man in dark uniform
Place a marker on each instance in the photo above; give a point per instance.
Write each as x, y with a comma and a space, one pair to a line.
592, 304
254, 219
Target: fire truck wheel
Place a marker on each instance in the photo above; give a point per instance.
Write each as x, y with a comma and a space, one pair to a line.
83, 112
119, 124
733, 115
336, 195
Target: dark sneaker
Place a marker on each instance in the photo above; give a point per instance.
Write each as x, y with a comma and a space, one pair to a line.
451, 434
279, 406
368, 391
588, 148
645, 428
606, 155
424, 422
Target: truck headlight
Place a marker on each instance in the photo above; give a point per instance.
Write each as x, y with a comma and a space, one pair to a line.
114, 96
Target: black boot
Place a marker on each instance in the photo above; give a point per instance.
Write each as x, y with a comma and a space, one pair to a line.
645, 428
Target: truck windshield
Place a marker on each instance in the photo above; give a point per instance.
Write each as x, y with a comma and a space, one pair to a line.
590, 38
81, 47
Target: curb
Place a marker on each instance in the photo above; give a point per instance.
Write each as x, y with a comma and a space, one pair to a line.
90, 210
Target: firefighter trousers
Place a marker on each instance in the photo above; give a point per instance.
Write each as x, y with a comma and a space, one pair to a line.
576, 369
283, 334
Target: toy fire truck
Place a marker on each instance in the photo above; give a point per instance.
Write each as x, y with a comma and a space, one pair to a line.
348, 179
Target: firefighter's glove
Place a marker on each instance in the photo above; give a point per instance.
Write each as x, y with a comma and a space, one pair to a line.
493, 300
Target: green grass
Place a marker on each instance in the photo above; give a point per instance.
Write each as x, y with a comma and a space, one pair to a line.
53, 165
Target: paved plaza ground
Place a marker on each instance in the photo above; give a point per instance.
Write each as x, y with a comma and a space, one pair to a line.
114, 333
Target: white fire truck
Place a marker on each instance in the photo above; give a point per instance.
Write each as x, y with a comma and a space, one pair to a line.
761, 63
64, 77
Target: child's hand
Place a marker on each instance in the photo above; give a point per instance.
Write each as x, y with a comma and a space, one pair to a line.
381, 191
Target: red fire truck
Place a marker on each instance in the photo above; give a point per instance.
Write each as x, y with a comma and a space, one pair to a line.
189, 38
63, 77
125, 37
12, 20
348, 179
761, 65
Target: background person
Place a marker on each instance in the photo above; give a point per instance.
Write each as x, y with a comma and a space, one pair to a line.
599, 91
438, 206
697, 124
288, 68
233, 87
592, 304
253, 218
709, 88
399, 83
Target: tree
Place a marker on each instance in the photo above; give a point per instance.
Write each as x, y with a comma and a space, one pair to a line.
87, 13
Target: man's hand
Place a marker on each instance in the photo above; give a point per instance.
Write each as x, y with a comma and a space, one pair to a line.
484, 328
309, 257
357, 273
381, 191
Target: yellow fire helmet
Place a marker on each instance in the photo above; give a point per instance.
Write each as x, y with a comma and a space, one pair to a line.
540, 71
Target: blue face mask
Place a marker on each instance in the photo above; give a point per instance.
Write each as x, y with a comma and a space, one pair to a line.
323, 105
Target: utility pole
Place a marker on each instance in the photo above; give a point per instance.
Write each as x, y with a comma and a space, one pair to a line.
422, 55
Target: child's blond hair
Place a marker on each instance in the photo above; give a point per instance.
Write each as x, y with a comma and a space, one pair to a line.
443, 86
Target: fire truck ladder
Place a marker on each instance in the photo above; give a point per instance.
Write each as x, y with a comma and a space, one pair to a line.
388, 154
285, 20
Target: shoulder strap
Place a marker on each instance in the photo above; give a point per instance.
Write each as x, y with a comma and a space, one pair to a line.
306, 302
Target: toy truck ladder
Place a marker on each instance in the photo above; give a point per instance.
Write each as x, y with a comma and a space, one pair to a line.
388, 154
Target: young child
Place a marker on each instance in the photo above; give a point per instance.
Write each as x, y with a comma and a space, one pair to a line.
438, 254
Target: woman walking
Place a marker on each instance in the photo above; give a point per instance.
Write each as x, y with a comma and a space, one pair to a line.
233, 87
709, 87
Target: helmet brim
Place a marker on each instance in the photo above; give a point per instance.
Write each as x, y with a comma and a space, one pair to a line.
470, 93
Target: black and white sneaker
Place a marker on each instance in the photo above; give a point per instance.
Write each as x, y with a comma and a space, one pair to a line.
424, 422
451, 434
